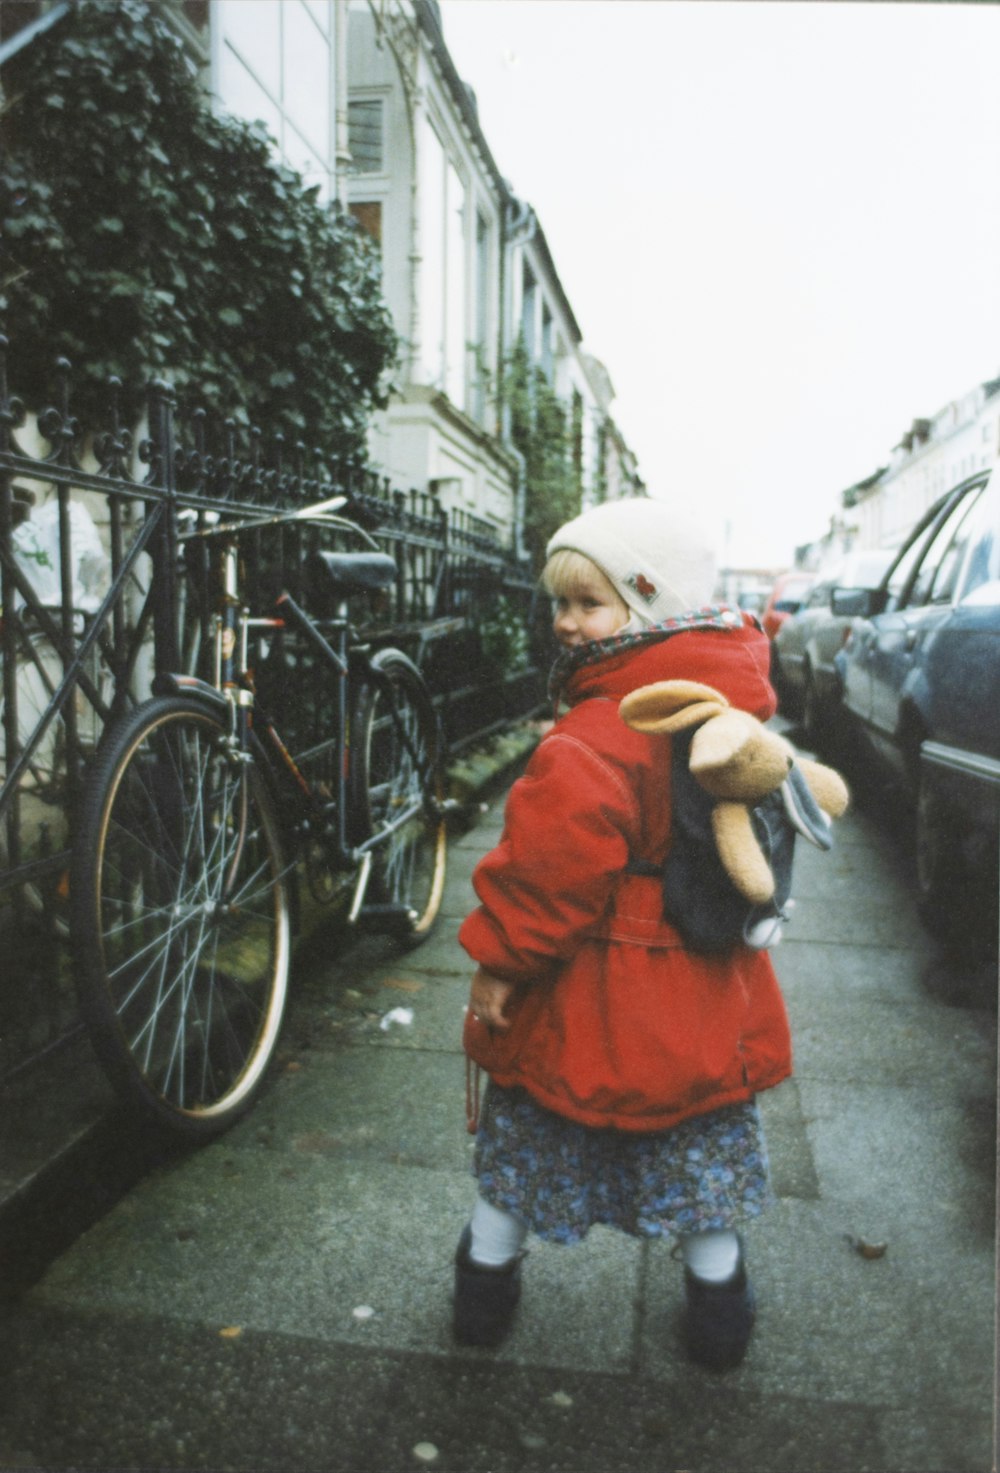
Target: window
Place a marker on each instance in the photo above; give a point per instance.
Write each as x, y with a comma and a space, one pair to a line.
444, 278
576, 437
529, 300
981, 579
365, 133
368, 214
946, 576
939, 566
901, 570
820, 596
482, 289
548, 360
432, 273
454, 265
275, 66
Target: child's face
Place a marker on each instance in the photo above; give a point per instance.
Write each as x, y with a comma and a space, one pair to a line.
591, 610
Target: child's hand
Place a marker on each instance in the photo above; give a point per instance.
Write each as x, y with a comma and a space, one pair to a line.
488, 998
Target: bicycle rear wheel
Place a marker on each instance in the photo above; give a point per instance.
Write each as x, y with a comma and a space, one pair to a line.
179, 912
397, 770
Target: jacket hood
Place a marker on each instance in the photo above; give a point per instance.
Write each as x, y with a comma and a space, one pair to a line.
720, 648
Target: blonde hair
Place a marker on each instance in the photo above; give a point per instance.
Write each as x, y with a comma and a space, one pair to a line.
568, 571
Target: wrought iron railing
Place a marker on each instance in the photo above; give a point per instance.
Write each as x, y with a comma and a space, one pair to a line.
98, 591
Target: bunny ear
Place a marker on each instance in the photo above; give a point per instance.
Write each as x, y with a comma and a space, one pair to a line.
670, 705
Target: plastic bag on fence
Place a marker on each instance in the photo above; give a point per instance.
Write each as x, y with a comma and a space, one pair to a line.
35, 544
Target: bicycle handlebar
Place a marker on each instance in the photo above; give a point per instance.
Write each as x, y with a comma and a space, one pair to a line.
320, 512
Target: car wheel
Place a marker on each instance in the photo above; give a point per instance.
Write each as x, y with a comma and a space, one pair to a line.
787, 704
812, 711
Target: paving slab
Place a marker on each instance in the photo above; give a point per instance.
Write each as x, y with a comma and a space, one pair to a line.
273, 1402
321, 1238
898, 1043
911, 1158
894, 1332
358, 1103
874, 974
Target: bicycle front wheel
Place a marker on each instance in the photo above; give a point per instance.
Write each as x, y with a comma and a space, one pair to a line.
397, 786
179, 903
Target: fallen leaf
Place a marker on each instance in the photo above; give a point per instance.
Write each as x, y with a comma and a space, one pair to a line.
231, 1332
865, 1249
872, 1250
292, 1067
403, 984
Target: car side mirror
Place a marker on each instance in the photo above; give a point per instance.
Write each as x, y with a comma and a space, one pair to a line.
858, 603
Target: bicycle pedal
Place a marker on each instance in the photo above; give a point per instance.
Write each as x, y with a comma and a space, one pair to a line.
388, 917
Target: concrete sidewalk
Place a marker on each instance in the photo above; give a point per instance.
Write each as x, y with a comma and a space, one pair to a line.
280, 1299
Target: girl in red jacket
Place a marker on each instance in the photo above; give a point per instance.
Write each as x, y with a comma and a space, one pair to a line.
622, 1067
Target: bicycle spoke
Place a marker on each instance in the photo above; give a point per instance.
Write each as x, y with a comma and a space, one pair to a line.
399, 739
192, 924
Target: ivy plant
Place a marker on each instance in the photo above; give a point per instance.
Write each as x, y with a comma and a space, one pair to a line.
146, 236
540, 431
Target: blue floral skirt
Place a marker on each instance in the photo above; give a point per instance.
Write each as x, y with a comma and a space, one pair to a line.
561, 1178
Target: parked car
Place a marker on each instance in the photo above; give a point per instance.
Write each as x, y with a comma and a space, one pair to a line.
751, 599
921, 692
785, 598
805, 645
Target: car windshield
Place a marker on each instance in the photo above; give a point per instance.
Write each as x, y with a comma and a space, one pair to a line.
981, 575
792, 594
864, 569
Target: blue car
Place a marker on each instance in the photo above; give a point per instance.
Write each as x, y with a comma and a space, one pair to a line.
920, 676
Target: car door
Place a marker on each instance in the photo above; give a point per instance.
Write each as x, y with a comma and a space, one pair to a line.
960, 676
856, 662
922, 607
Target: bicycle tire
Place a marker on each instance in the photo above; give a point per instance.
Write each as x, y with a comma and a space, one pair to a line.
389, 774
179, 917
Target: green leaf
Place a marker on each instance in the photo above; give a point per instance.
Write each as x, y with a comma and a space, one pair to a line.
110, 112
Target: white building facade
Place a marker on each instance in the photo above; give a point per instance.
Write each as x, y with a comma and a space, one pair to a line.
935, 454
467, 274
421, 179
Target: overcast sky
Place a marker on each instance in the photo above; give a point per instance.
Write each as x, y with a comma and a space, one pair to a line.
778, 225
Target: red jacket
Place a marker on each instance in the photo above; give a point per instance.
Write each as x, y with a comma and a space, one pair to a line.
614, 1022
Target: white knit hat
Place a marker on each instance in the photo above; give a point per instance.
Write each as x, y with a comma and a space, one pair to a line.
658, 559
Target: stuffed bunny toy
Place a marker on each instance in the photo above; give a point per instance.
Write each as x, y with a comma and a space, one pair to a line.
740, 795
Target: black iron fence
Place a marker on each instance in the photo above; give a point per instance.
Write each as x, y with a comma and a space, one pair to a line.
99, 590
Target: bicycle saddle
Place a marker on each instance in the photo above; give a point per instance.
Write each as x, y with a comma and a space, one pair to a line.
339, 574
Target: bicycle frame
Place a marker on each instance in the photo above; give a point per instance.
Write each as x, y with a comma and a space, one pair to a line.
234, 685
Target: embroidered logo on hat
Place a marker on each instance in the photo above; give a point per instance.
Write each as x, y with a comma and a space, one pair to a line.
640, 584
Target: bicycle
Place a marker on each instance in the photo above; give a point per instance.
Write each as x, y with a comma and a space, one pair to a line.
193, 820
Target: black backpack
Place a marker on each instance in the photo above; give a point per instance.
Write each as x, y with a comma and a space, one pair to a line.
699, 898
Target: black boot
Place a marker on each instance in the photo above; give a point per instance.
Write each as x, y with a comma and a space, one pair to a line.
719, 1318
485, 1298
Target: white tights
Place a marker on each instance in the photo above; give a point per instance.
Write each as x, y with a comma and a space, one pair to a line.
498, 1236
